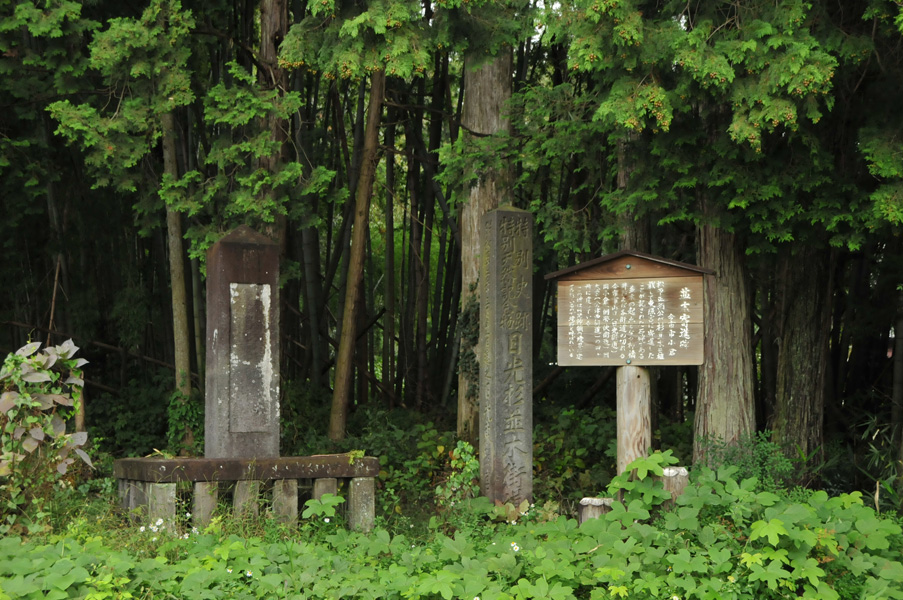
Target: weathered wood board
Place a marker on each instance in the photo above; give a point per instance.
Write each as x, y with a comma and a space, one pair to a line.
630, 309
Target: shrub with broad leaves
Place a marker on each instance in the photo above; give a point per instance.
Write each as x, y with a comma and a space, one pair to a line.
39, 392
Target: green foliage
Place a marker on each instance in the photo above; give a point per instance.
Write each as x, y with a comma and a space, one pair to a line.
349, 40
243, 179
185, 414
415, 457
409, 481
322, 508
40, 390
573, 451
753, 456
134, 419
880, 464
724, 540
884, 154
697, 100
463, 478
143, 62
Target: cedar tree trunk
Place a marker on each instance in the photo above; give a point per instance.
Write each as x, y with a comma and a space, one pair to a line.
725, 405
803, 284
487, 88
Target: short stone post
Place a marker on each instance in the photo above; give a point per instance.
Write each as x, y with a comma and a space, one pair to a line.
506, 357
206, 495
161, 503
285, 500
675, 480
242, 394
246, 498
361, 503
592, 508
325, 485
133, 495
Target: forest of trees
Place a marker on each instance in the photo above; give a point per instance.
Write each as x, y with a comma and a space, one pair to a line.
760, 139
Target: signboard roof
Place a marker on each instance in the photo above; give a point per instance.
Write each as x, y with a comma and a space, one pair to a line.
611, 265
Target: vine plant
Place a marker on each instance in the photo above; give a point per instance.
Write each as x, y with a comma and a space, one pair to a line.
39, 391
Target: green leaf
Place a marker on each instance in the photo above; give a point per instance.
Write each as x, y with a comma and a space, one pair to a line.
773, 530
772, 574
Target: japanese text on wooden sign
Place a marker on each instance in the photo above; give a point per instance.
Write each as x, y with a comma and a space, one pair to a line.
654, 321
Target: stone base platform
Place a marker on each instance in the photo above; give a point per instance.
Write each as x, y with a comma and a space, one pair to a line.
151, 484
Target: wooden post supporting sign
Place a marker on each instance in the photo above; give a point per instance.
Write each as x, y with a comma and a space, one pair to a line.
634, 415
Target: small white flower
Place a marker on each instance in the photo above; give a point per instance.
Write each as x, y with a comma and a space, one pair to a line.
194, 530
326, 519
248, 573
153, 528
142, 529
228, 569
188, 515
154, 539
159, 522
185, 536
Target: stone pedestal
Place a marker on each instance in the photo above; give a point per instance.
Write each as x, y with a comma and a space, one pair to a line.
506, 363
147, 486
242, 395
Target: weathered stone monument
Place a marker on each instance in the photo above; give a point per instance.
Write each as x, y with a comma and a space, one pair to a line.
241, 418
506, 357
241, 421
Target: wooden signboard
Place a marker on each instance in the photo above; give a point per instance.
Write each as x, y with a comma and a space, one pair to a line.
630, 308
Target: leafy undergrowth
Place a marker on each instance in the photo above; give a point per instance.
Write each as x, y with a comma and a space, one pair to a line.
722, 540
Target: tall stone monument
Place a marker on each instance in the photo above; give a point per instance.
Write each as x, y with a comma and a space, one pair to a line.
241, 424
242, 396
506, 357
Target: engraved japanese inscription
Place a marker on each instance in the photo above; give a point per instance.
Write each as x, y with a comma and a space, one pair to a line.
506, 415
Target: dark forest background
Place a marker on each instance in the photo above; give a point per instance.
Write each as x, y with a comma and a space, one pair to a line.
762, 140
